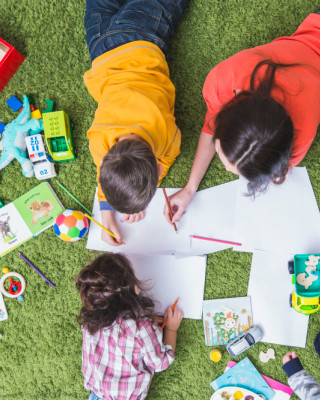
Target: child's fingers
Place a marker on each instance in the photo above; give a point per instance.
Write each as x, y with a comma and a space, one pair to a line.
178, 214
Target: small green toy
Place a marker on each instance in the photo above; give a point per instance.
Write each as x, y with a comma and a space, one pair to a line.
59, 135
306, 277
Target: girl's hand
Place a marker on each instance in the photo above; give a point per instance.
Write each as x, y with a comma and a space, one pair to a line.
131, 218
178, 203
289, 357
109, 222
174, 318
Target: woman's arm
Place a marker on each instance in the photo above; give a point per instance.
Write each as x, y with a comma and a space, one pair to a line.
180, 200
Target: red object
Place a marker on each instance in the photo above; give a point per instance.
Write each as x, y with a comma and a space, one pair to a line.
215, 240
15, 287
32, 107
9, 63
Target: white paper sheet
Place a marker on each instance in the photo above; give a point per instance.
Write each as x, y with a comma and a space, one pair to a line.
152, 235
286, 218
270, 288
211, 214
170, 277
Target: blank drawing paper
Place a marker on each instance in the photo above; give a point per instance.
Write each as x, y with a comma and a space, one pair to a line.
270, 288
210, 214
285, 218
170, 277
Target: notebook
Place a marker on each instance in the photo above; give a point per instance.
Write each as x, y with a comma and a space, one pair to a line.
244, 375
27, 216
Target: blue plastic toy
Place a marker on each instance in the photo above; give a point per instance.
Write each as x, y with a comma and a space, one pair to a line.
13, 139
14, 103
2, 126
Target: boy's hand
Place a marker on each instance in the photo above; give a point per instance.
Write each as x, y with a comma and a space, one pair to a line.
109, 222
178, 203
289, 357
174, 318
130, 218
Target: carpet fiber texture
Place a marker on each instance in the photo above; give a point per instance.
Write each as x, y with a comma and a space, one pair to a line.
40, 352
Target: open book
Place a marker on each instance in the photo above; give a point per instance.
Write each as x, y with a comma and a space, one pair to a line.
27, 216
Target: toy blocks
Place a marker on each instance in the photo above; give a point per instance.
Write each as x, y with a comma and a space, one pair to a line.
14, 103
10, 61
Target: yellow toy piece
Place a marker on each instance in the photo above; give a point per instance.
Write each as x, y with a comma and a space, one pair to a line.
305, 305
36, 114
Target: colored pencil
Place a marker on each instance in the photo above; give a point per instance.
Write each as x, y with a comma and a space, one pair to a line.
101, 226
173, 307
169, 207
215, 240
74, 198
36, 269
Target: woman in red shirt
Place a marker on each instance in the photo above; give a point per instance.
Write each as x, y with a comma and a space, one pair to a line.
263, 112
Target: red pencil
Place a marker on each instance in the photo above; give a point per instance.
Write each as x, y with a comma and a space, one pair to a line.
215, 240
170, 211
173, 307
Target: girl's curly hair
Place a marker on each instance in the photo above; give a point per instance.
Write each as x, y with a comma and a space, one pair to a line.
109, 290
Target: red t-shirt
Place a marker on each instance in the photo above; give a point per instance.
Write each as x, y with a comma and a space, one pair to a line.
300, 94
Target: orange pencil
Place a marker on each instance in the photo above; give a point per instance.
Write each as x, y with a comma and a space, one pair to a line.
173, 307
170, 211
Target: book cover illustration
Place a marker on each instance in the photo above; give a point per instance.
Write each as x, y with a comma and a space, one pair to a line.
13, 229
39, 207
225, 319
244, 375
3, 310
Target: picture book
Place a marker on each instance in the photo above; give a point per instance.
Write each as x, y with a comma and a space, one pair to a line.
3, 310
225, 319
27, 216
282, 392
244, 375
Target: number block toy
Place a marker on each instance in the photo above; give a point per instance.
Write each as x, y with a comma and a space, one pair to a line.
10, 61
42, 162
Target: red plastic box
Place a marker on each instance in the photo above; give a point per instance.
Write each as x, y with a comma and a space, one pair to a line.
10, 61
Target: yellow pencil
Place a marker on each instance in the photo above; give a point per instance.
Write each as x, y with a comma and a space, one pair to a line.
101, 226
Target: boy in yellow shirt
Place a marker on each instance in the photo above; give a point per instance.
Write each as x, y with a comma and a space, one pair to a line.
134, 138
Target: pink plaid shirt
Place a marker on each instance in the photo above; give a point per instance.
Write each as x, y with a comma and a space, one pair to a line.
118, 362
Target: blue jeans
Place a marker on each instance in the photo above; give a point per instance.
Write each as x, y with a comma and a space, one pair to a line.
93, 397
112, 23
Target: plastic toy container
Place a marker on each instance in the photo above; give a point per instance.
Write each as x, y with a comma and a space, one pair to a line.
300, 267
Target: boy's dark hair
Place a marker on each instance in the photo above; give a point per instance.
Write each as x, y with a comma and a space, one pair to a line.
129, 176
256, 132
108, 291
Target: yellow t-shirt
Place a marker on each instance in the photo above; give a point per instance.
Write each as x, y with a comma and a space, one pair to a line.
135, 95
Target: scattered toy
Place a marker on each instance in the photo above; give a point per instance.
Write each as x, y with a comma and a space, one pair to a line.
42, 162
59, 135
16, 288
10, 61
2, 126
243, 342
13, 139
71, 225
14, 103
265, 357
215, 355
50, 106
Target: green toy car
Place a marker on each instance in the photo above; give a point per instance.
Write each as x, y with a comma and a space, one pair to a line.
58, 135
306, 278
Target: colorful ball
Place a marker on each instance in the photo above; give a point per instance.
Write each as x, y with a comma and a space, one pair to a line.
71, 225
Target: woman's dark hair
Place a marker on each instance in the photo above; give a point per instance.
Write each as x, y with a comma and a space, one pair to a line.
256, 132
108, 291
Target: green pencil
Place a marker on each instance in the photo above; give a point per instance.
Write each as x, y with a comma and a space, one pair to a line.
74, 198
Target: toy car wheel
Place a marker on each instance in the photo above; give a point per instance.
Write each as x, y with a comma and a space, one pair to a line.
75, 152
290, 300
291, 267
72, 124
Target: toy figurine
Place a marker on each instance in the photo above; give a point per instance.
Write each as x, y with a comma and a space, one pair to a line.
13, 139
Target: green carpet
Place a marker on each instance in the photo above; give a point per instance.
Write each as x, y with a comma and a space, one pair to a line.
40, 352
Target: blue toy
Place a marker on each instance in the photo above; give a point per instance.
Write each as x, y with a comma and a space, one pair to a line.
14, 103
2, 126
13, 139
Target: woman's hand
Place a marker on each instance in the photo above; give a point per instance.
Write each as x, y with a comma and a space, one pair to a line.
178, 203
